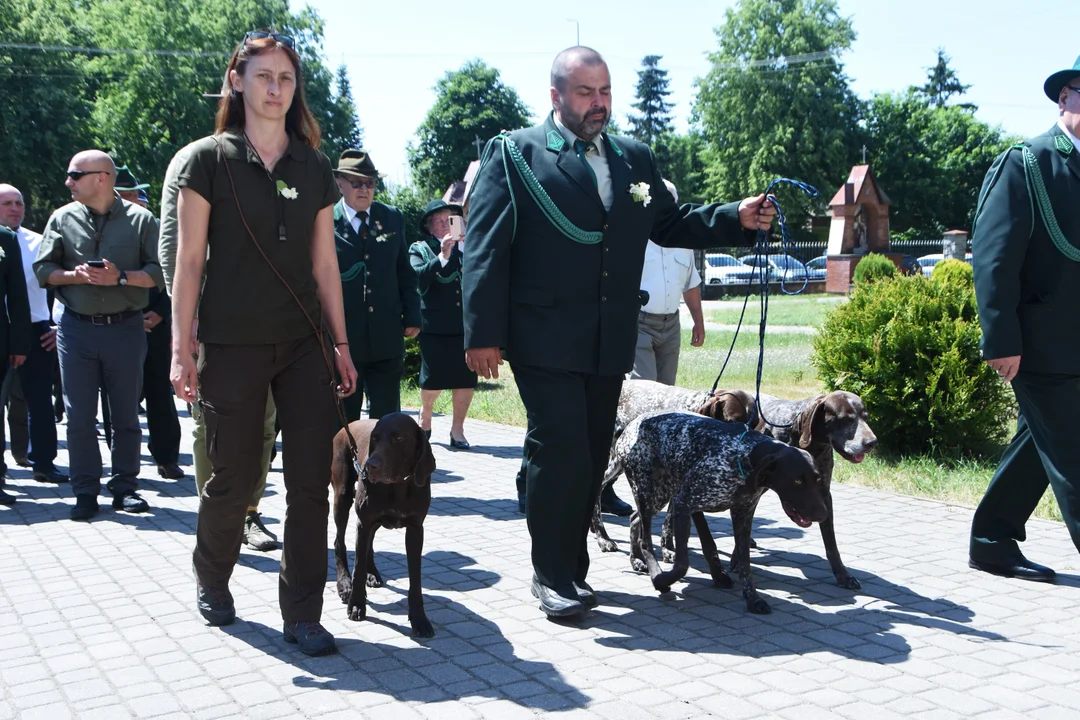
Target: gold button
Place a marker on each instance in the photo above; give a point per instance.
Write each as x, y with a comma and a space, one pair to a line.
459, 304
371, 309
367, 256
605, 273
603, 299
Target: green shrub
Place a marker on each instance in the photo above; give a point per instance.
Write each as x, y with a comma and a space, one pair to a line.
411, 375
874, 266
954, 272
909, 347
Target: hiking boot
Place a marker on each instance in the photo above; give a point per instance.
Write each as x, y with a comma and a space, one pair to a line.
215, 605
256, 536
86, 507
130, 502
312, 638
49, 475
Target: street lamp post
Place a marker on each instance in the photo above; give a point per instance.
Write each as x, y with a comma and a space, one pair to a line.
577, 25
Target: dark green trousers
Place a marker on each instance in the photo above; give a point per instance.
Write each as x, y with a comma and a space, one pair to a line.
1043, 452
381, 380
571, 420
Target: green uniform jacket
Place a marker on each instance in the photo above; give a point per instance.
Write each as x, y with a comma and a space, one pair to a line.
377, 283
550, 301
15, 323
1028, 291
440, 288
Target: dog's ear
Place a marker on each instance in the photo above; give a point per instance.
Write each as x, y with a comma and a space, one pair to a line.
753, 417
424, 465
761, 459
712, 407
813, 414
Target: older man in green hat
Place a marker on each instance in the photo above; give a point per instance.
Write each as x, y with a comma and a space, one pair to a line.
1026, 254
382, 305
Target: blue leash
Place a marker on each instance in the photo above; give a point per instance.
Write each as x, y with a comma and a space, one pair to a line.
761, 255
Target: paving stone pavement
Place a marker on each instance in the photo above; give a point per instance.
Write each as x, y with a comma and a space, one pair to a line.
98, 620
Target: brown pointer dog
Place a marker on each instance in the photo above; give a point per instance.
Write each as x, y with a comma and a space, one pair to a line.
392, 490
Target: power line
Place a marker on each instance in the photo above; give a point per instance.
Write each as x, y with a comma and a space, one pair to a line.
109, 51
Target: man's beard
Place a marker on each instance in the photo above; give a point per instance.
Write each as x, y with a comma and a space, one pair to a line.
587, 127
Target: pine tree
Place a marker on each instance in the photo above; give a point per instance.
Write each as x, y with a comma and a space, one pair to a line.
655, 112
343, 131
942, 83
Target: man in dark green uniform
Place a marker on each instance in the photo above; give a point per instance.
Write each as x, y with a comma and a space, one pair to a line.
382, 305
1026, 253
559, 215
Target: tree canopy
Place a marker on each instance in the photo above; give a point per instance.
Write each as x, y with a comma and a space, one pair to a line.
654, 118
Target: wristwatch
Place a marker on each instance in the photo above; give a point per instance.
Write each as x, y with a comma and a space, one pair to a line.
122, 280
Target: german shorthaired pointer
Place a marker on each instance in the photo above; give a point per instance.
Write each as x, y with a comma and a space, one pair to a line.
639, 397
393, 490
821, 424
701, 465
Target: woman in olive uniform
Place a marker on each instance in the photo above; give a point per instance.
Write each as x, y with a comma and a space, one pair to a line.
437, 262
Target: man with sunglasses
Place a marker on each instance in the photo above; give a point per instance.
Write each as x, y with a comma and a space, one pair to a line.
99, 253
382, 305
1026, 255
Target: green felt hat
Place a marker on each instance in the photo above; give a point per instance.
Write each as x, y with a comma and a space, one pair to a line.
358, 164
126, 180
435, 206
1054, 83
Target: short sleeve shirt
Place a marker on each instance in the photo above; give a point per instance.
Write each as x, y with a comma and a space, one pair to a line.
244, 302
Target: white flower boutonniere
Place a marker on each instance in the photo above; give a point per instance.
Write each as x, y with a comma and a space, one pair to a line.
640, 193
2, 254
285, 191
380, 236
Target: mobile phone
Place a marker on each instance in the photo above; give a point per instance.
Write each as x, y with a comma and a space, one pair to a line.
99, 264
457, 227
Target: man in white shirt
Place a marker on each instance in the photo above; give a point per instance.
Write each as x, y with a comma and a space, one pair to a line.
669, 276
36, 374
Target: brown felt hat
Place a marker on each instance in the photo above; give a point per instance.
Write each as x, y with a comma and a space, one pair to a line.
358, 164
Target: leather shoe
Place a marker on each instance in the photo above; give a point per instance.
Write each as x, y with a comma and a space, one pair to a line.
22, 461
215, 605
170, 471
130, 502
611, 503
459, 444
1016, 566
586, 594
50, 475
554, 604
312, 637
6, 499
86, 507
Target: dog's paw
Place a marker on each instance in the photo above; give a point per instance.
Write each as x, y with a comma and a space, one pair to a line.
639, 565
757, 605
607, 545
344, 590
848, 582
421, 627
357, 612
374, 581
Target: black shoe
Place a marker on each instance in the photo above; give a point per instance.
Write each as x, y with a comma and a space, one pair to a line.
130, 502
611, 504
554, 604
586, 594
5, 499
523, 505
22, 461
86, 507
215, 605
50, 475
459, 444
1017, 566
170, 471
427, 434
312, 638
256, 536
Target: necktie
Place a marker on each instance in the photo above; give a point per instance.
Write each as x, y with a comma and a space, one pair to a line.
582, 149
362, 218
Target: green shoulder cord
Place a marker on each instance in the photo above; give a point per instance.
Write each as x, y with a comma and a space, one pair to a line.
429, 256
512, 157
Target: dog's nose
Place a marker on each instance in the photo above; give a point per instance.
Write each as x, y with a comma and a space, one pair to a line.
371, 464
870, 444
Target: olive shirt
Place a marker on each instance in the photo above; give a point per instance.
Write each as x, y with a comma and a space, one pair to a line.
243, 301
169, 232
126, 235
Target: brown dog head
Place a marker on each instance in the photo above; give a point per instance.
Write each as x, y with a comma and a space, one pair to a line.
790, 473
736, 406
398, 452
839, 420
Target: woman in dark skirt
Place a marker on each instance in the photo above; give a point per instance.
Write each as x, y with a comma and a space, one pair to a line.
437, 261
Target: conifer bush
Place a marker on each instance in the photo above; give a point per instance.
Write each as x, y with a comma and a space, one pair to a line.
909, 346
874, 266
955, 272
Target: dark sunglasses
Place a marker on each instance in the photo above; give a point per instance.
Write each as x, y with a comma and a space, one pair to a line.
77, 175
285, 40
358, 184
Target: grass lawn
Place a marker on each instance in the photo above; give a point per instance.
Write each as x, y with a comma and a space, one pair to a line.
805, 310
787, 373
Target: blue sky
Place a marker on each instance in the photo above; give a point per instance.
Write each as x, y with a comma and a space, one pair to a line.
395, 52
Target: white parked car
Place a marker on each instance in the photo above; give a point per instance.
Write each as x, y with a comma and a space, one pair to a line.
780, 267
816, 268
723, 269
927, 262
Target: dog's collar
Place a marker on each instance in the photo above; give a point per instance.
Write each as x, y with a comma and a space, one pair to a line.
742, 472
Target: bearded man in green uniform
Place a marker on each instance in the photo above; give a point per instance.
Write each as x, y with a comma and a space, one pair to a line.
382, 305
559, 215
1026, 254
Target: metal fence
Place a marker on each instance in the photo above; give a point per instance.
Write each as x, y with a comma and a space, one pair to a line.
805, 250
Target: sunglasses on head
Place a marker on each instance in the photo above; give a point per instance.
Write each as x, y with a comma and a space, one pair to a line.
254, 35
360, 184
77, 175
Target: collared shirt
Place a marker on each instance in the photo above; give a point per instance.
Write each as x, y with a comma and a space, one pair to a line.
353, 217
29, 242
244, 302
1068, 134
597, 160
666, 275
126, 235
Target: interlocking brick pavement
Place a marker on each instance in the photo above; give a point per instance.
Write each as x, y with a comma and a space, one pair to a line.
98, 620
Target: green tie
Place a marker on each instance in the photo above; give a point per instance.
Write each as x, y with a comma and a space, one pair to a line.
581, 147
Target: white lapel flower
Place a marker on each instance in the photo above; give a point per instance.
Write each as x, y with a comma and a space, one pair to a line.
380, 236
640, 193
2, 253
285, 191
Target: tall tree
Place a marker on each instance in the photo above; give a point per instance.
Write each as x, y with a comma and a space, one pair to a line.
942, 83
654, 118
470, 103
682, 160
343, 130
776, 101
